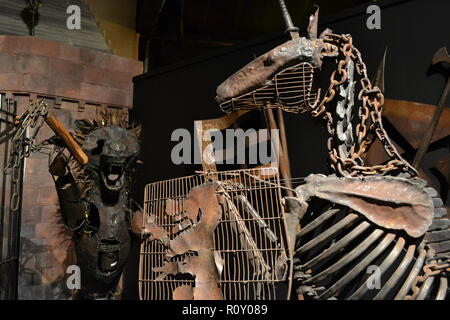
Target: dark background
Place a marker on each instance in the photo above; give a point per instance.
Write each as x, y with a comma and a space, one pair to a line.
174, 96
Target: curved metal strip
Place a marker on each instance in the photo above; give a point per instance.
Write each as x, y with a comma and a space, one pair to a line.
342, 243
349, 276
348, 257
328, 233
426, 287
412, 276
443, 287
317, 222
387, 262
395, 277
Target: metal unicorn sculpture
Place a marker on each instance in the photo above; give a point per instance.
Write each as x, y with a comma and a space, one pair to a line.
380, 217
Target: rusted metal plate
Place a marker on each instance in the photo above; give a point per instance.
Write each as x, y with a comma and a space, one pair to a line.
202, 209
412, 119
248, 258
183, 293
259, 71
390, 202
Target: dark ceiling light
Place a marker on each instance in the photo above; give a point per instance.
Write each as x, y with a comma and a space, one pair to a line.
30, 15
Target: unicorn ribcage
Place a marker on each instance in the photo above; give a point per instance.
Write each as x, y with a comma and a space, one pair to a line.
367, 232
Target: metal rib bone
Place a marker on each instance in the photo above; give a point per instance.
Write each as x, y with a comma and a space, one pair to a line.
395, 277
423, 294
341, 283
317, 222
342, 243
347, 258
387, 262
412, 276
328, 233
443, 286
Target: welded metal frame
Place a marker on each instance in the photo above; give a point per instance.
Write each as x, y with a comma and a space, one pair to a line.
261, 187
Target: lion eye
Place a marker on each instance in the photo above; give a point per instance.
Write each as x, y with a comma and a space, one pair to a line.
98, 150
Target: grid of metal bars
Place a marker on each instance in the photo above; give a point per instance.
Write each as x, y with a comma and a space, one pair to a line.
290, 90
9, 218
256, 200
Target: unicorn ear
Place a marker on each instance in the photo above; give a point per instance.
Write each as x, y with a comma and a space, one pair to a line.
313, 23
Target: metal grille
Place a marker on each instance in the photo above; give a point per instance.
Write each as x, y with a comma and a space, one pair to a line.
10, 187
255, 193
290, 90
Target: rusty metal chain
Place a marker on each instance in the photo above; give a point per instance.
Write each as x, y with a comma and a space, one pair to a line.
23, 143
429, 270
369, 112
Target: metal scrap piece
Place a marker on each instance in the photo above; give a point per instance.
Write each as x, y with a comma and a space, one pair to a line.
201, 205
259, 71
390, 202
183, 293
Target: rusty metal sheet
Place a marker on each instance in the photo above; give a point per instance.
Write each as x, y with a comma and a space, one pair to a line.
412, 119
192, 250
183, 293
390, 202
259, 71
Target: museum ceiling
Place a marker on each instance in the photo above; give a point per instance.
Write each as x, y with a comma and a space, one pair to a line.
180, 29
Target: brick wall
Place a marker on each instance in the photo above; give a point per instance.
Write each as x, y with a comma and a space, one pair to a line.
32, 64
74, 82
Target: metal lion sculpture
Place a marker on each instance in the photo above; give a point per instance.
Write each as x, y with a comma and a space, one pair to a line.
95, 199
361, 223
93, 181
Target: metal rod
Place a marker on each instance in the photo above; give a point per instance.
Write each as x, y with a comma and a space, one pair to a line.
287, 20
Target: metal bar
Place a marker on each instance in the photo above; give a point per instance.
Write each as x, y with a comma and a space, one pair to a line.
355, 253
411, 277
396, 276
350, 275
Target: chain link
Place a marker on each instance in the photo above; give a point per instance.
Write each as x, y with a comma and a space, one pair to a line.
429, 270
370, 123
23, 143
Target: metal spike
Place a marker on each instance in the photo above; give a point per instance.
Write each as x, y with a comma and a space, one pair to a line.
288, 21
379, 77
313, 24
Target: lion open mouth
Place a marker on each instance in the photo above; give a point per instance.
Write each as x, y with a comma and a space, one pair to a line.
112, 175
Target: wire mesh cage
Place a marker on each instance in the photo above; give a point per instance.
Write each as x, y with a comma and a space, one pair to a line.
249, 240
290, 90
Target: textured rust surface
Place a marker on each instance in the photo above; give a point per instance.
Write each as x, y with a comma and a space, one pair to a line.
393, 203
183, 293
192, 250
412, 119
256, 73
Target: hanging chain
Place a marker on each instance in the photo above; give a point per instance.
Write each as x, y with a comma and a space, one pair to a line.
429, 270
370, 123
23, 143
